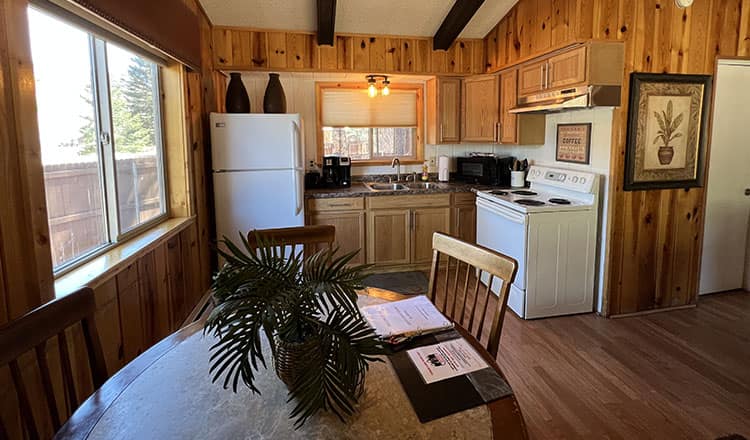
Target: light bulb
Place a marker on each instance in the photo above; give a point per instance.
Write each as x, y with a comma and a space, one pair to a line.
372, 90
386, 91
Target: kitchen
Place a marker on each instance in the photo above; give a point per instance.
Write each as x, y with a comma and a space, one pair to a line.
553, 134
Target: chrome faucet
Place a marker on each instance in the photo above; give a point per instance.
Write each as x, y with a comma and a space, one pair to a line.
395, 163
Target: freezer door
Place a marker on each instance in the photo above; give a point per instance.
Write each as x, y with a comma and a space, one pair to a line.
256, 142
257, 200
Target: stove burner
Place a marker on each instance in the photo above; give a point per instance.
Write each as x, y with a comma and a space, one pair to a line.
530, 202
499, 193
523, 192
559, 201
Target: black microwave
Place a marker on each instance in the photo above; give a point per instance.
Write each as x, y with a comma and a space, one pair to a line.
484, 170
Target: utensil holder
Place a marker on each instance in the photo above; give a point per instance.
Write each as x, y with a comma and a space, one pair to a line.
518, 179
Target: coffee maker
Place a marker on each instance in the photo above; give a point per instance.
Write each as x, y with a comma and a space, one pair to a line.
337, 171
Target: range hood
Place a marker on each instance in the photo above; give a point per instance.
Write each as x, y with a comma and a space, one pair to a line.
572, 98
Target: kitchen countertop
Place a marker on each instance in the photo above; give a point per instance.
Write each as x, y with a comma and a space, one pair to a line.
358, 189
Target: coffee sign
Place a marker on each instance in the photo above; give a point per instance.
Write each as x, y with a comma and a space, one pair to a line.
573, 143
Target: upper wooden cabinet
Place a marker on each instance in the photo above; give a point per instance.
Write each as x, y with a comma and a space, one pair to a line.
444, 110
596, 62
567, 69
532, 77
523, 129
508, 100
480, 105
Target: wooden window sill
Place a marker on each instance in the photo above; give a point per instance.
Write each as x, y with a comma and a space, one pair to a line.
106, 265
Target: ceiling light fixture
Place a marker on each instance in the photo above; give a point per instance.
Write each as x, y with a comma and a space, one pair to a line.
372, 85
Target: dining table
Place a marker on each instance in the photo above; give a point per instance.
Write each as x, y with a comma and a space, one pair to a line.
167, 393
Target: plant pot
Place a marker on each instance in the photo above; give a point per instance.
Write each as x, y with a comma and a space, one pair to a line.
274, 100
293, 358
237, 100
665, 155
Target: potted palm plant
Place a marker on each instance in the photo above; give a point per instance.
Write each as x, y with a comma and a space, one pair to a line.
667, 133
305, 308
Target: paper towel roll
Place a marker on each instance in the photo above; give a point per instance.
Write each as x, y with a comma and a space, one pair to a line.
443, 168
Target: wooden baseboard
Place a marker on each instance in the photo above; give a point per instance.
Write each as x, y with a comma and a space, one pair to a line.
652, 311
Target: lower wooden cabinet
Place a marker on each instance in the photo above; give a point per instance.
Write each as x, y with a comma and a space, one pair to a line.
427, 221
350, 231
464, 217
395, 230
389, 236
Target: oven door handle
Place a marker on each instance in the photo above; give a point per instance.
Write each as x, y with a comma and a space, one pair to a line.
515, 217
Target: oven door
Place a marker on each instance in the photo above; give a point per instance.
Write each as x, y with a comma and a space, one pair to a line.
503, 230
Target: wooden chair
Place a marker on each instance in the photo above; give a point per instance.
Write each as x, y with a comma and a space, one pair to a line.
307, 236
31, 332
477, 260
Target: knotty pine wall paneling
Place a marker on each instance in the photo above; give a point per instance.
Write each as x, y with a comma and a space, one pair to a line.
655, 241
134, 305
25, 259
252, 49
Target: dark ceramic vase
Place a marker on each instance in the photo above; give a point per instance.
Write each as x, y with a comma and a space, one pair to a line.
274, 101
237, 100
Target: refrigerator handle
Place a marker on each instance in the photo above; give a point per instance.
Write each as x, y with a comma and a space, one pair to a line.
299, 193
296, 141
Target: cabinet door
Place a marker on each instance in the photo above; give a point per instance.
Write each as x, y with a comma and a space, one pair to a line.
508, 100
449, 108
427, 221
480, 105
465, 223
388, 236
350, 231
567, 69
532, 78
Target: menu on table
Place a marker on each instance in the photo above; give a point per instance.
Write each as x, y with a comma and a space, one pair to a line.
447, 359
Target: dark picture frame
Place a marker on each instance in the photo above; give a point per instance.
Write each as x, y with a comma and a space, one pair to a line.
578, 137
668, 119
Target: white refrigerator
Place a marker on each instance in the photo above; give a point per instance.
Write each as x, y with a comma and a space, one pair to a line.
258, 172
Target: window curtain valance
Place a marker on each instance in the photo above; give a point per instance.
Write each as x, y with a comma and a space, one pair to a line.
168, 25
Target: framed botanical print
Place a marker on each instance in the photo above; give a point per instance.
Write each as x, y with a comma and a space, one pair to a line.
668, 119
573, 143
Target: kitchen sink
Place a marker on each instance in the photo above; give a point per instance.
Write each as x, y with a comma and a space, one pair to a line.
387, 187
424, 185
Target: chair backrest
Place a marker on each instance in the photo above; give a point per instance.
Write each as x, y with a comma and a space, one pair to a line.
462, 288
31, 332
307, 236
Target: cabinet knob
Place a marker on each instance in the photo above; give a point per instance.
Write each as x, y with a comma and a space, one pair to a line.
747, 191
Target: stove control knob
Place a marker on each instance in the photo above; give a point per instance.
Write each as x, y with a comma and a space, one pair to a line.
583, 180
575, 179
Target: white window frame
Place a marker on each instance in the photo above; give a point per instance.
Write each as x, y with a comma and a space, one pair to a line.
106, 149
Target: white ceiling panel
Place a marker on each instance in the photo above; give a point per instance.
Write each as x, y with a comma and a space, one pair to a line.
387, 17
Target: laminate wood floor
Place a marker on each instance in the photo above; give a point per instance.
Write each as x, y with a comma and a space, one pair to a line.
675, 375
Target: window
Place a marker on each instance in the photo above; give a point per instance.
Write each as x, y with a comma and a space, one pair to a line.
99, 115
370, 130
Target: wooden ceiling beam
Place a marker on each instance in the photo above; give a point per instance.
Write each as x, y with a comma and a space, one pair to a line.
326, 21
454, 23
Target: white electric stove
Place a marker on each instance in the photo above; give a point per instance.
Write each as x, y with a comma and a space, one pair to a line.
551, 229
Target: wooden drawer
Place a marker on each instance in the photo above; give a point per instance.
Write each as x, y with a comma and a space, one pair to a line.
336, 204
421, 201
464, 198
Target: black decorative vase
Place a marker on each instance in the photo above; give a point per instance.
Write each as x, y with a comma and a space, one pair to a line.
237, 100
274, 101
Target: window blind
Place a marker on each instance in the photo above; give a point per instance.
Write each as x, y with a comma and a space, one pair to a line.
355, 108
